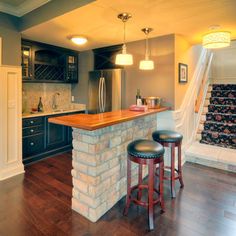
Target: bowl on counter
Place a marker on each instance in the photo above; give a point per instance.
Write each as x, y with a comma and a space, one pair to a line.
152, 102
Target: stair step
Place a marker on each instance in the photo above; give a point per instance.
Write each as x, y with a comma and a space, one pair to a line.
219, 127
219, 139
223, 93
224, 87
222, 101
219, 117
229, 109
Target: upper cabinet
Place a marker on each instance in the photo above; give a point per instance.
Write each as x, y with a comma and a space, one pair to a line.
46, 63
104, 58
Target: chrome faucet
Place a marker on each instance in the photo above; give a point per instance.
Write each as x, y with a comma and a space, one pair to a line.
54, 101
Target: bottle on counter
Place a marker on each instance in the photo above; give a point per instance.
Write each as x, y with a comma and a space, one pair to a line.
40, 105
138, 98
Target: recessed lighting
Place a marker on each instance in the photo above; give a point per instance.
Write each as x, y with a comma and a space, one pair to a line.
79, 40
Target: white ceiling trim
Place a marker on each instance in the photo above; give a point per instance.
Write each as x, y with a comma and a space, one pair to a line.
22, 9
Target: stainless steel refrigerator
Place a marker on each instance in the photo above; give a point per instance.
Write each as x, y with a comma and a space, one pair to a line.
106, 90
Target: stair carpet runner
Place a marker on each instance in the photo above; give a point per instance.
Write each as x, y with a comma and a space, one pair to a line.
220, 125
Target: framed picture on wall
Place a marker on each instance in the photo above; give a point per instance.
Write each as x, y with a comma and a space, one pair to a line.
183, 73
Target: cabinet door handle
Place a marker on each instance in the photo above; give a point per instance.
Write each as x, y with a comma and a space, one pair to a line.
31, 130
31, 122
32, 144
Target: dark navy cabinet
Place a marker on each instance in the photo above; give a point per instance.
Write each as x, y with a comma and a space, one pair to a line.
47, 63
42, 139
57, 135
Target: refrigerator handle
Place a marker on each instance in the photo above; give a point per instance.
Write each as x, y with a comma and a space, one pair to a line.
104, 94
99, 94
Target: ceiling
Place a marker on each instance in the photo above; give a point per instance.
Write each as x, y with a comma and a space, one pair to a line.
98, 21
13, 3
20, 7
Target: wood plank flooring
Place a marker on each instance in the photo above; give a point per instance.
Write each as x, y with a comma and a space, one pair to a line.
38, 203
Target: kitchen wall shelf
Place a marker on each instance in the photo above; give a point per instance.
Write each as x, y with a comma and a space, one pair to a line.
47, 63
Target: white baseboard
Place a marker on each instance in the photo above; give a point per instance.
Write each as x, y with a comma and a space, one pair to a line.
11, 171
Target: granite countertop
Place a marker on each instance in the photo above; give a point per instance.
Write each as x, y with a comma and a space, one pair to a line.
96, 121
47, 113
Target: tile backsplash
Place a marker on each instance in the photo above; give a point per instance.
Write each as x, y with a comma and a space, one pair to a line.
32, 93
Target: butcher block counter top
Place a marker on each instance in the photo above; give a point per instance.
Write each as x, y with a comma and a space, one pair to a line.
97, 121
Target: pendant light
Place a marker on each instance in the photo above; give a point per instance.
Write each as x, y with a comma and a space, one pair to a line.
146, 64
124, 58
216, 38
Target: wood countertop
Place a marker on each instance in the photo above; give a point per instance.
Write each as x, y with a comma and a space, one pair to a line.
97, 121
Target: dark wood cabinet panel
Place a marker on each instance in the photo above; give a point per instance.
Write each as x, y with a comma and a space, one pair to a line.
49, 64
33, 145
104, 58
57, 135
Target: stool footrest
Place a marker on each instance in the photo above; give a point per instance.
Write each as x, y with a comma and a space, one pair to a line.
169, 178
142, 203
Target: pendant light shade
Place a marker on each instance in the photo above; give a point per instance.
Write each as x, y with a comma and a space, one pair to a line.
216, 38
124, 59
146, 64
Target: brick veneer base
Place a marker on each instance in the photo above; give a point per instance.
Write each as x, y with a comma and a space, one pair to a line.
99, 164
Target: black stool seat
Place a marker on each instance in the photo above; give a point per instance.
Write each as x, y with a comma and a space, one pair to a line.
167, 136
146, 149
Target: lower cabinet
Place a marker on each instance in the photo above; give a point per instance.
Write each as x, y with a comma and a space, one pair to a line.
56, 136
42, 139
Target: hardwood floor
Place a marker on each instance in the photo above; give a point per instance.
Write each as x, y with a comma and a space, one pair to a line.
38, 203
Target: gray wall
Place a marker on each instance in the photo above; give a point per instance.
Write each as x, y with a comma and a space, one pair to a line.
80, 90
157, 82
11, 40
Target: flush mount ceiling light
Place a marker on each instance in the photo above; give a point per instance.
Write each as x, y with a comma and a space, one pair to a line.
216, 38
124, 58
79, 40
146, 64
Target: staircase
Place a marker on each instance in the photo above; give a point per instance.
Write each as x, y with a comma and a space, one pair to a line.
216, 137
218, 121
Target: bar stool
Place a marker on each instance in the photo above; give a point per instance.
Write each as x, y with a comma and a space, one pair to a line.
171, 139
145, 152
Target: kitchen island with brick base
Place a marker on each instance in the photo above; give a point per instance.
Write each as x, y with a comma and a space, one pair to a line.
99, 156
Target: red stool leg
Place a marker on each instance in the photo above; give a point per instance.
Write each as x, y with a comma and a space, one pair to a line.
172, 182
150, 193
140, 179
161, 174
128, 196
180, 166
